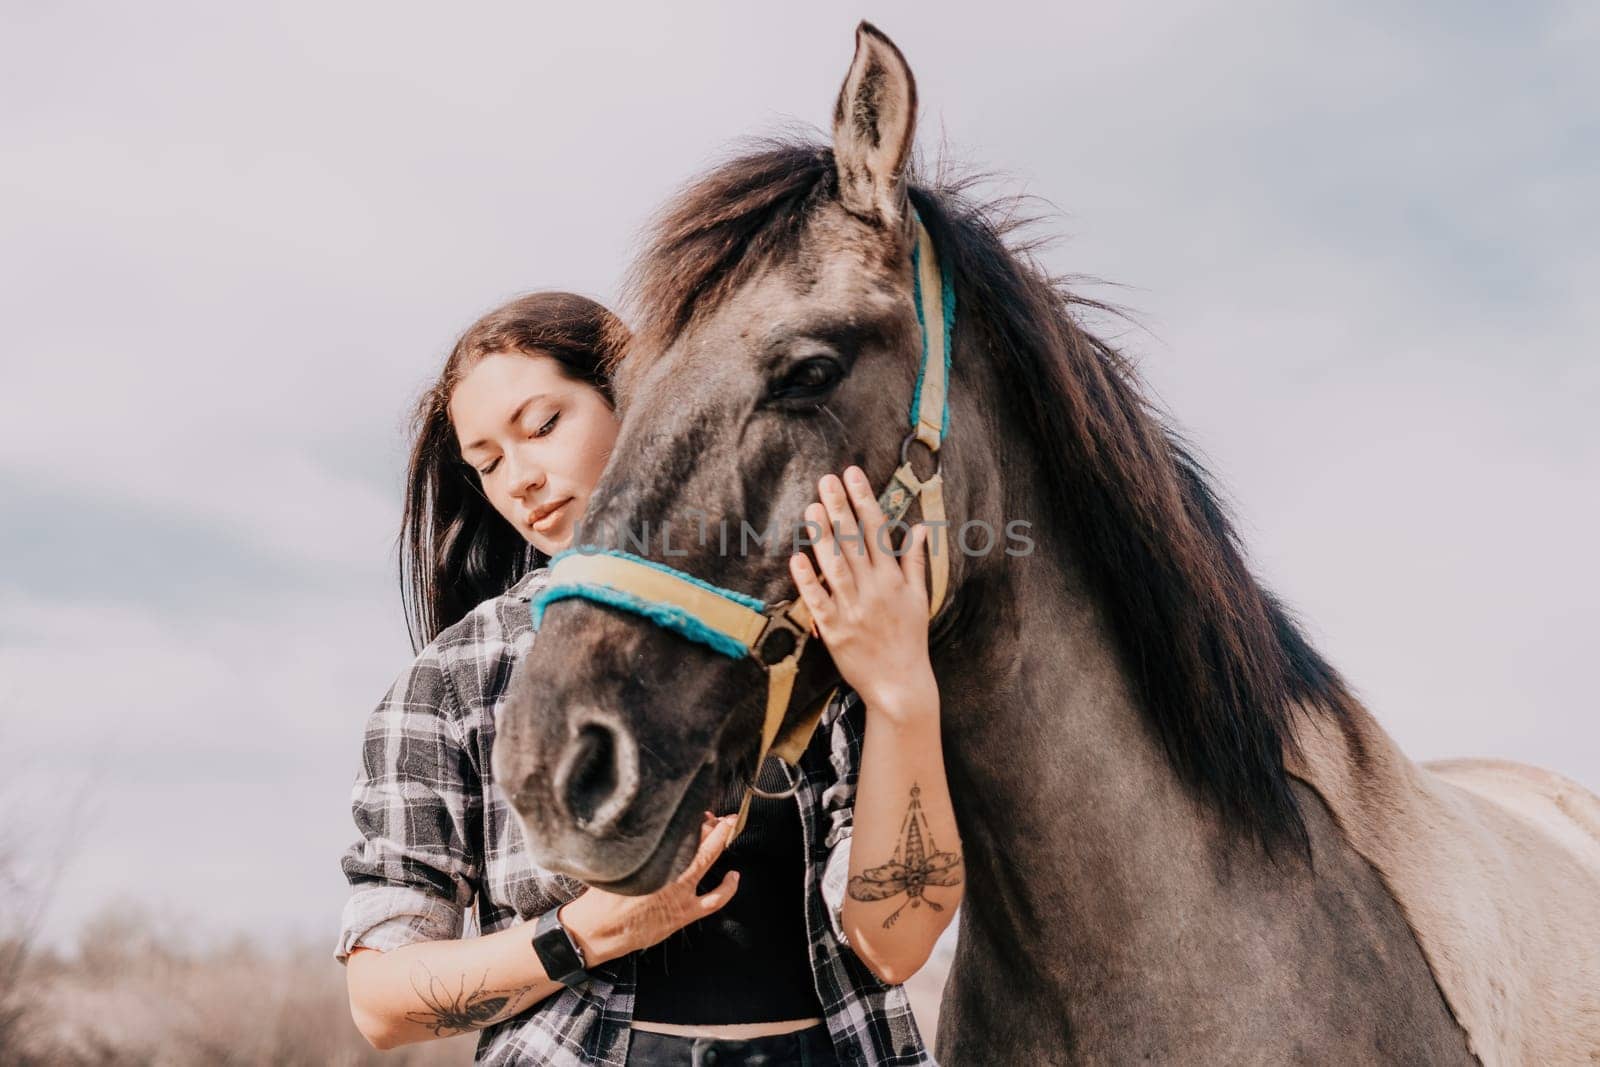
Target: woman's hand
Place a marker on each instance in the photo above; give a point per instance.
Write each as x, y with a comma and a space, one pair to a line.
873, 614
609, 925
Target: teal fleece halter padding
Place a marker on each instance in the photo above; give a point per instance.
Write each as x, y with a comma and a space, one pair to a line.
947, 301
664, 615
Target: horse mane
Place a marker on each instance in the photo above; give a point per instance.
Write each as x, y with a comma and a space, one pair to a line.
1217, 663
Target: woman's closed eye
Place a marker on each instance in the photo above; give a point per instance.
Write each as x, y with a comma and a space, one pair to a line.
543, 431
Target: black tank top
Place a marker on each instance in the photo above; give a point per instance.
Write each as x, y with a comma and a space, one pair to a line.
750, 962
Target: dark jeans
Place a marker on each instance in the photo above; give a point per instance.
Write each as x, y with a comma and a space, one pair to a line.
811, 1047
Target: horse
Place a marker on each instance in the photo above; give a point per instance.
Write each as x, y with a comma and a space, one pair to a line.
1186, 840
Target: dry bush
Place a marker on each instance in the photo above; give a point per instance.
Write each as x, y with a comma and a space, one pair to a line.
23, 901
13, 956
138, 991
134, 993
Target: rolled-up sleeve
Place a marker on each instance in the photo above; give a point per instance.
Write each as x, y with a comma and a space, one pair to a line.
415, 869
839, 803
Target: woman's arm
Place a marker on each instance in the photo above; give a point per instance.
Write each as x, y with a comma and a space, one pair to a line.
906, 875
439, 988
435, 989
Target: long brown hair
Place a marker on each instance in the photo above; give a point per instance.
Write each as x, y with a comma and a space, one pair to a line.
456, 551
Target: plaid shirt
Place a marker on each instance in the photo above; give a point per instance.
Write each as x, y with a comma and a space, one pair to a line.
437, 833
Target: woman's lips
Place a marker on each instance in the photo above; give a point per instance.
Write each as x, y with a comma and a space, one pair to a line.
551, 516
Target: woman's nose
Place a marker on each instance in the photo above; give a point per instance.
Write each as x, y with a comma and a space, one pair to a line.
526, 476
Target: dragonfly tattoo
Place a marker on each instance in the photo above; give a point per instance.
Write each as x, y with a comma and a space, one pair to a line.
917, 864
458, 1012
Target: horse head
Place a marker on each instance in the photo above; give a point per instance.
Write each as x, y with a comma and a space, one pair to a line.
780, 340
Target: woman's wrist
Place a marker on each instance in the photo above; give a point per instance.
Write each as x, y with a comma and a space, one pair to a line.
596, 932
904, 701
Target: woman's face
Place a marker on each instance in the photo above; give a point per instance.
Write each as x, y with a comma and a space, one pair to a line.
537, 439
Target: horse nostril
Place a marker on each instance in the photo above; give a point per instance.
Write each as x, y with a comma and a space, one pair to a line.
592, 776
597, 777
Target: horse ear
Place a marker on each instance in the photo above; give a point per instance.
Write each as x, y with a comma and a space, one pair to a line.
873, 125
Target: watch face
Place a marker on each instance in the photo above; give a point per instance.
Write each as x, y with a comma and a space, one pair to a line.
562, 958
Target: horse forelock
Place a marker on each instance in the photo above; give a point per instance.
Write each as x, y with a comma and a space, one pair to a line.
744, 216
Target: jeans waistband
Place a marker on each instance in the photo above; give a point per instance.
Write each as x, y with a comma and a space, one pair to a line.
811, 1047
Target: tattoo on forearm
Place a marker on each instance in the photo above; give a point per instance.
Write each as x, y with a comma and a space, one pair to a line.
917, 863
458, 1012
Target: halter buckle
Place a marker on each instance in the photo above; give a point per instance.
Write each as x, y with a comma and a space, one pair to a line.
778, 620
938, 459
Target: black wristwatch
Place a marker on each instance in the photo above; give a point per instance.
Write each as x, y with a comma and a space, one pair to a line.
562, 958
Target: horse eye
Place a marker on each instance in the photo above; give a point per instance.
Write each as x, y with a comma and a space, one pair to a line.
808, 379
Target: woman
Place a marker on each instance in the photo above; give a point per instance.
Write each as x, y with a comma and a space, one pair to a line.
747, 957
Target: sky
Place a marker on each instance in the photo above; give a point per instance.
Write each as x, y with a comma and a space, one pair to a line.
237, 240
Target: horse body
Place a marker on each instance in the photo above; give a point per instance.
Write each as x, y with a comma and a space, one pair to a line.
1496, 866
1185, 840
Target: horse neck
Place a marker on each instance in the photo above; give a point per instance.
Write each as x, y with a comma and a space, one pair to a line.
1080, 841
1055, 771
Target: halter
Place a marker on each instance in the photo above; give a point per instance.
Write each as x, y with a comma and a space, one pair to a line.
737, 625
